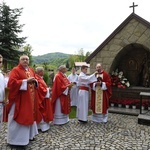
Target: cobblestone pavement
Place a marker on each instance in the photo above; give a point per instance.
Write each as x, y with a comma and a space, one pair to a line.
122, 132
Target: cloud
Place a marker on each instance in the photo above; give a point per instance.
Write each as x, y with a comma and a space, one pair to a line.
69, 25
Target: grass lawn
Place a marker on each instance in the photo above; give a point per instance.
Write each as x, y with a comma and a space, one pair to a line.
73, 112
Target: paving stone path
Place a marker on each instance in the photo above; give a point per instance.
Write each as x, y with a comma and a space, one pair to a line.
122, 132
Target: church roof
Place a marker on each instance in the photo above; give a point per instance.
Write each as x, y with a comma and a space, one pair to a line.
116, 31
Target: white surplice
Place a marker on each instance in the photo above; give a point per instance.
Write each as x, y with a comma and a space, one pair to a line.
74, 90
2, 93
6, 80
59, 117
100, 117
83, 95
20, 134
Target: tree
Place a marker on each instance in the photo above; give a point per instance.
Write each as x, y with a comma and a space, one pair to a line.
46, 77
10, 42
72, 59
67, 64
81, 55
87, 54
28, 50
45, 66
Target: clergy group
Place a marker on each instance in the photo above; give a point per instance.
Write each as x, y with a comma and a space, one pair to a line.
28, 105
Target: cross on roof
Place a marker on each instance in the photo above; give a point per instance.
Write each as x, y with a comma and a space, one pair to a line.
133, 6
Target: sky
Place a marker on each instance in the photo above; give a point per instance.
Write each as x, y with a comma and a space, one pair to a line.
70, 25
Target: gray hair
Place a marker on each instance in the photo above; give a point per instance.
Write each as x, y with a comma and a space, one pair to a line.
38, 69
61, 67
24, 55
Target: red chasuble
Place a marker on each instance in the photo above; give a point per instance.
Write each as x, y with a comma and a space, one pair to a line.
45, 103
59, 86
26, 101
106, 94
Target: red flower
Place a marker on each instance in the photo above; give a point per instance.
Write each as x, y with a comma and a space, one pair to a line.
118, 79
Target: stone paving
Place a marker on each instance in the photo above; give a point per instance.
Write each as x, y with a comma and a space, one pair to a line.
122, 132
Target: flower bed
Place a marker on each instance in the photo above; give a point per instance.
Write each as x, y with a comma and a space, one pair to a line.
130, 102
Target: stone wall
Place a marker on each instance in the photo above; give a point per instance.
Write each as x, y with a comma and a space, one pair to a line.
133, 32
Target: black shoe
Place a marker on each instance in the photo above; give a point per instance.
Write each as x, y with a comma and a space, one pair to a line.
18, 147
82, 121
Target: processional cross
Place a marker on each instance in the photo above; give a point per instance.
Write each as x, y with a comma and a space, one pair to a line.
133, 6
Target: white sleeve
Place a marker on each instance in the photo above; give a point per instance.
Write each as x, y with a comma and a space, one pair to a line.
24, 85
92, 78
48, 93
104, 86
87, 79
66, 91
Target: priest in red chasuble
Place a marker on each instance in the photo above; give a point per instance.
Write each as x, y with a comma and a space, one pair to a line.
44, 100
23, 107
60, 97
100, 95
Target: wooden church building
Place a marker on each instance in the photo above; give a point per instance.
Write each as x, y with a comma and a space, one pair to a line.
127, 49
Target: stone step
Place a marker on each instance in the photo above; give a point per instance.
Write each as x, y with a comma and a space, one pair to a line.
144, 119
127, 111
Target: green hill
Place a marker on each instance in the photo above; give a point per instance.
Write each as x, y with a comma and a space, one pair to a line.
53, 59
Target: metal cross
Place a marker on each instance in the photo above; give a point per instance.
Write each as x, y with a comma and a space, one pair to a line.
133, 6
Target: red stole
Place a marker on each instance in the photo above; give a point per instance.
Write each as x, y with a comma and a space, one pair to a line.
106, 94
59, 86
